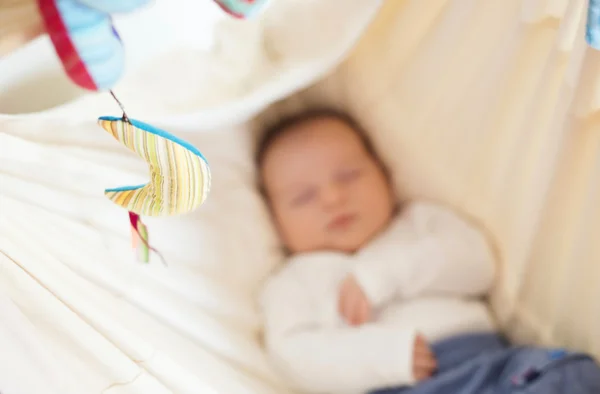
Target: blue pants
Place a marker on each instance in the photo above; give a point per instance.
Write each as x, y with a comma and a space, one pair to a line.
485, 364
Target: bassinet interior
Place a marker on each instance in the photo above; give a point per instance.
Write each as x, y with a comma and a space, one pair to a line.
492, 109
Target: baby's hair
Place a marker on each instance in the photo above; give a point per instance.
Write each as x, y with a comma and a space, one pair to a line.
284, 125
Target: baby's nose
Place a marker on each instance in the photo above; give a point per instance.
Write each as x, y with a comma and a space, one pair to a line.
333, 195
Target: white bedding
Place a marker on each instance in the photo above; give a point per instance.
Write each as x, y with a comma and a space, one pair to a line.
82, 316
66, 265
510, 137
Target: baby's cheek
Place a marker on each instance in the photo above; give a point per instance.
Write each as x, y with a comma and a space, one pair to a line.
369, 195
301, 230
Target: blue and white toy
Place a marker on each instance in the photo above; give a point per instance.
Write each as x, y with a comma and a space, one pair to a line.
87, 43
592, 34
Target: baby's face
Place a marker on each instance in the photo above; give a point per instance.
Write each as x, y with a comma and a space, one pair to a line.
326, 191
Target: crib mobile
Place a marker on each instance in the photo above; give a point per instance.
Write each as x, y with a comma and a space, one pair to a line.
92, 56
593, 24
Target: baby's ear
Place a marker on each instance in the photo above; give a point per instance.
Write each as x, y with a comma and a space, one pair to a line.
387, 173
261, 188
259, 181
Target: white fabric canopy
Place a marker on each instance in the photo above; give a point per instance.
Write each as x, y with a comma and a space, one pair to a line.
495, 109
492, 107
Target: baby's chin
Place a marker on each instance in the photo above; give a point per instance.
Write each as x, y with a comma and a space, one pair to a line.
352, 242
347, 246
349, 242
351, 247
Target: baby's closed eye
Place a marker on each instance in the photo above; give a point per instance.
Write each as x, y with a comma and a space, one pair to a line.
348, 175
303, 197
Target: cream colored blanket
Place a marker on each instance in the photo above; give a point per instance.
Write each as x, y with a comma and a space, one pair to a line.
491, 107
78, 315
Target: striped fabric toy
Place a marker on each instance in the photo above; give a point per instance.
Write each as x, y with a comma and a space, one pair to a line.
593, 24
92, 55
179, 176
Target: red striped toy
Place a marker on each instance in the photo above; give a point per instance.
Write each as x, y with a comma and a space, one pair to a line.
87, 43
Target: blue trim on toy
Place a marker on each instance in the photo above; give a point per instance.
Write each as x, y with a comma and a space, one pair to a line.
592, 34
124, 188
244, 8
115, 6
92, 34
159, 132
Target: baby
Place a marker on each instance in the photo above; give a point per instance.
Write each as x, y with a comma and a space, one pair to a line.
374, 295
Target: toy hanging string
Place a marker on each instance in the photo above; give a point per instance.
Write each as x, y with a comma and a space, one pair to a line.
139, 231
125, 118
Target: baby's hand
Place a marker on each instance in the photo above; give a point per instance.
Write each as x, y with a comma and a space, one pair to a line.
353, 304
424, 362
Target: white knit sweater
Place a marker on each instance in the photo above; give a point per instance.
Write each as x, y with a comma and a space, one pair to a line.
426, 273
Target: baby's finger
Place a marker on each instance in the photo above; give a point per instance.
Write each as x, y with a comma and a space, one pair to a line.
357, 312
350, 315
367, 308
423, 351
343, 307
422, 373
352, 310
429, 363
361, 313
366, 311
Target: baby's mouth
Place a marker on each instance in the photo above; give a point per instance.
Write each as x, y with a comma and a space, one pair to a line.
341, 222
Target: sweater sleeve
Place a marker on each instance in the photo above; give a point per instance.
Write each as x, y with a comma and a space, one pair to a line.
331, 359
431, 251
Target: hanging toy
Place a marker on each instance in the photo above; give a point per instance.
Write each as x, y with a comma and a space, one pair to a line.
85, 40
92, 56
179, 176
87, 43
593, 24
242, 9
